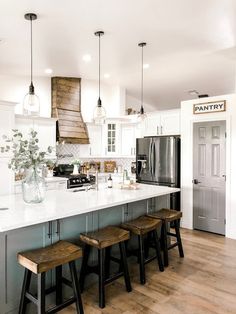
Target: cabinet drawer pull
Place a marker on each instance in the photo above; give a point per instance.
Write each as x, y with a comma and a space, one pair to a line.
58, 228
49, 229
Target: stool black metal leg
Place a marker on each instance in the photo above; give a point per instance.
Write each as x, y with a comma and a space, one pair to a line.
141, 261
41, 294
25, 287
107, 261
125, 266
164, 243
84, 266
58, 285
179, 241
147, 243
75, 286
101, 255
158, 250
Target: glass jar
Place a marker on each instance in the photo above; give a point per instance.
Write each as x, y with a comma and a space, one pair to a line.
33, 186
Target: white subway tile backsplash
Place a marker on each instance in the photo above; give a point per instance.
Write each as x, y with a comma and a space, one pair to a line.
68, 152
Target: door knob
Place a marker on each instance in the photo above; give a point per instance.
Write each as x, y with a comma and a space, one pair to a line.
195, 181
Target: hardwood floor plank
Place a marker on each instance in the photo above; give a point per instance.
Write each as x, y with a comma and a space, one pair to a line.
204, 282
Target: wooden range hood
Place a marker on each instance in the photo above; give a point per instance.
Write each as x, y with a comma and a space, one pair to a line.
66, 107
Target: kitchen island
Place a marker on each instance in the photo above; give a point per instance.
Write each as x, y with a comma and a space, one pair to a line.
63, 215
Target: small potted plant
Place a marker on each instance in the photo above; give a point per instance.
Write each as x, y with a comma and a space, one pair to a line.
27, 158
50, 165
77, 164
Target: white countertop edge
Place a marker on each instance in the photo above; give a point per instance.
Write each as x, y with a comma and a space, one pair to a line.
84, 211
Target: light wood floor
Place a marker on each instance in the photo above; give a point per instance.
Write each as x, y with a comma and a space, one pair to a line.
203, 282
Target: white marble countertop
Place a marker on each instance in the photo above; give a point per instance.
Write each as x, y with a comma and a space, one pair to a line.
66, 203
47, 179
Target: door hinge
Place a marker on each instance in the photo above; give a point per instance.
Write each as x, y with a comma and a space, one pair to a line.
225, 134
225, 221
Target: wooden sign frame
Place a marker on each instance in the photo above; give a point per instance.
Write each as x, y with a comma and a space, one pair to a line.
210, 107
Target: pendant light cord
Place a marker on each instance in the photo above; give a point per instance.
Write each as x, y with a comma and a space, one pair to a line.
31, 51
99, 65
142, 81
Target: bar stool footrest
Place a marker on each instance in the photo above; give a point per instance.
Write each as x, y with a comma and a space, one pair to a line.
57, 308
31, 298
113, 277
171, 234
171, 246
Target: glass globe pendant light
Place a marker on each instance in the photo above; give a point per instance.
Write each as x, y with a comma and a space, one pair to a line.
31, 103
141, 115
99, 114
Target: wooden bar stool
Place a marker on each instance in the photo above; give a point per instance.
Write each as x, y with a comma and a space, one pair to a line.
40, 261
145, 226
168, 216
103, 240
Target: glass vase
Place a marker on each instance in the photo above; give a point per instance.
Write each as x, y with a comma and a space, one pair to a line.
33, 186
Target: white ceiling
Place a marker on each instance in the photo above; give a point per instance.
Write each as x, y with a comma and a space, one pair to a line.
190, 43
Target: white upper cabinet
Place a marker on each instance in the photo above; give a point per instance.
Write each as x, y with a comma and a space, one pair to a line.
170, 122
129, 133
45, 127
162, 123
95, 139
111, 139
152, 124
7, 123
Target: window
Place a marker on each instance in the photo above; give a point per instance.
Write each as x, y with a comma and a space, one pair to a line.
111, 138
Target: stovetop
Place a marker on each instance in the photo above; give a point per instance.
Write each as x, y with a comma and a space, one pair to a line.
73, 181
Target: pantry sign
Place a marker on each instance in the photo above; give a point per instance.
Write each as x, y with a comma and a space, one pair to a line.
209, 107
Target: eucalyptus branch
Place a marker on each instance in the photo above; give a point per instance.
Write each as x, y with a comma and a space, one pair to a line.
26, 153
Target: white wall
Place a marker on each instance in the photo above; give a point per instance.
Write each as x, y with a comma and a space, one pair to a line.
134, 103
113, 99
14, 88
187, 120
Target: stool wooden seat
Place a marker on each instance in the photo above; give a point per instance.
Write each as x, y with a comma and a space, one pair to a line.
141, 226
169, 216
105, 237
166, 214
103, 240
44, 259
41, 260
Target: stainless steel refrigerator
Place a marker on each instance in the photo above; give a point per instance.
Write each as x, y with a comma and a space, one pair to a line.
158, 162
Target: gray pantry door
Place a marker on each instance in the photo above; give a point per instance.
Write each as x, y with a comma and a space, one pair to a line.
209, 140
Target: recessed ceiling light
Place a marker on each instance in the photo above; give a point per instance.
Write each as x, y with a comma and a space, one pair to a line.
106, 75
87, 58
48, 71
146, 66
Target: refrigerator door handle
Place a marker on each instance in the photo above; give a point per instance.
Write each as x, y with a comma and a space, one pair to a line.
153, 158
150, 157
